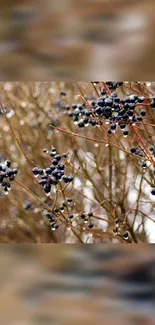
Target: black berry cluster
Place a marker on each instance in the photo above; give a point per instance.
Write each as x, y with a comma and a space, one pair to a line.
54, 173
64, 212
138, 151
7, 175
152, 150
56, 215
112, 85
116, 111
87, 219
51, 218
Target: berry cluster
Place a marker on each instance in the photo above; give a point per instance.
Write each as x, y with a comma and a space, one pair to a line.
52, 217
52, 222
118, 231
112, 85
87, 219
6, 175
53, 174
65, 212
152, 150
116, 111
138, 151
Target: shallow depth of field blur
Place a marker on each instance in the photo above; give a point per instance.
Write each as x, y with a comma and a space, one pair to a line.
74, 284
108, 180
77, 40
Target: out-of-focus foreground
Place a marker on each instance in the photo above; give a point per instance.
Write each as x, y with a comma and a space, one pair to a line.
98, 183
77, 40
52, 284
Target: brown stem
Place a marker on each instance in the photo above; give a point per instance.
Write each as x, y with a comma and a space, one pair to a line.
143, 144
106, 87
15, 137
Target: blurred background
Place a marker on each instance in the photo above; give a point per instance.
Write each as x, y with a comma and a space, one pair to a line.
70, 40
61, 284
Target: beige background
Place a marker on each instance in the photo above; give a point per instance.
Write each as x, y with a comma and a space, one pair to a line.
53, 284
68, 40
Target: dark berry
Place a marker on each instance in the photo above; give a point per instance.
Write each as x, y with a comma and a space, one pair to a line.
35, 171
45, 150
57, 157
62, 93
48, 171
126, 235
69, 200
153, 191
71, 216
141, 99
144, 164
90, 225
122, 126
81, 124
54, 162
142, 112
61, 166
67, 179
8, 163
133, 149
125, 133
113, 126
